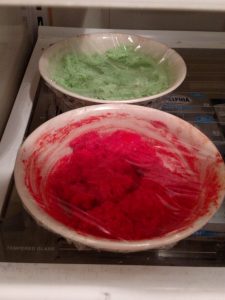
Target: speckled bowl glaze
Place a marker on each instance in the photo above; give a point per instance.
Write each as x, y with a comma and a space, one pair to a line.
101, 42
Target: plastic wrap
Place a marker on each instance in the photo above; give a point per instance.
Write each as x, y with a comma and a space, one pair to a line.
120, 73
110, 68
120, 173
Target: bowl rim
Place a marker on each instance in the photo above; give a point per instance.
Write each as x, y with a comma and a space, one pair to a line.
66, 92
72, 235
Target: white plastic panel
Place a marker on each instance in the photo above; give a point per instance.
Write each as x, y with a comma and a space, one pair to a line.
102, 282
203, 5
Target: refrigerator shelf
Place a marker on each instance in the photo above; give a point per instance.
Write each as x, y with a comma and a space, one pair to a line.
203, 53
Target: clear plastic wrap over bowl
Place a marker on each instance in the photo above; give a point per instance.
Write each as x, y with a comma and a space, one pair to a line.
99, 43
177, 144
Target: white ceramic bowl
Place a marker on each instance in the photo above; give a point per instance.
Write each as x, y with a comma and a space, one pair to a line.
50, 142
101, 42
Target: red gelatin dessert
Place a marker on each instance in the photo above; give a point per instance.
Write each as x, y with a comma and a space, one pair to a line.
117, 185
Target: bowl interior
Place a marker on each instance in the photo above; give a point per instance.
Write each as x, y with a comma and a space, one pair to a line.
46, 145
100, 43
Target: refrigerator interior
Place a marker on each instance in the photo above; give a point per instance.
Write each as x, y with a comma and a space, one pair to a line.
22, 240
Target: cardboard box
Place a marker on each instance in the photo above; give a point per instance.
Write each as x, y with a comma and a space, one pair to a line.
193, 102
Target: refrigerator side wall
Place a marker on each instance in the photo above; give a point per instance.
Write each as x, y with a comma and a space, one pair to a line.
14, 49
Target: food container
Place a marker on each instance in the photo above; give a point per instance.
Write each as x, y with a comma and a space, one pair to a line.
194, 166
89, 44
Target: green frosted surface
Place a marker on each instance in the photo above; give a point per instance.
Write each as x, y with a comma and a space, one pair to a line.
120, 73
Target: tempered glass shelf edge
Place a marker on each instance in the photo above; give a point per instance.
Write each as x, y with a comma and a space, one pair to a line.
17, 123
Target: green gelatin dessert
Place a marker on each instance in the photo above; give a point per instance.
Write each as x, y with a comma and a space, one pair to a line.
120, 73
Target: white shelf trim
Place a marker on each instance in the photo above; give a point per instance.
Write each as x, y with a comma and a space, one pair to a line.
192, 5
102, 282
